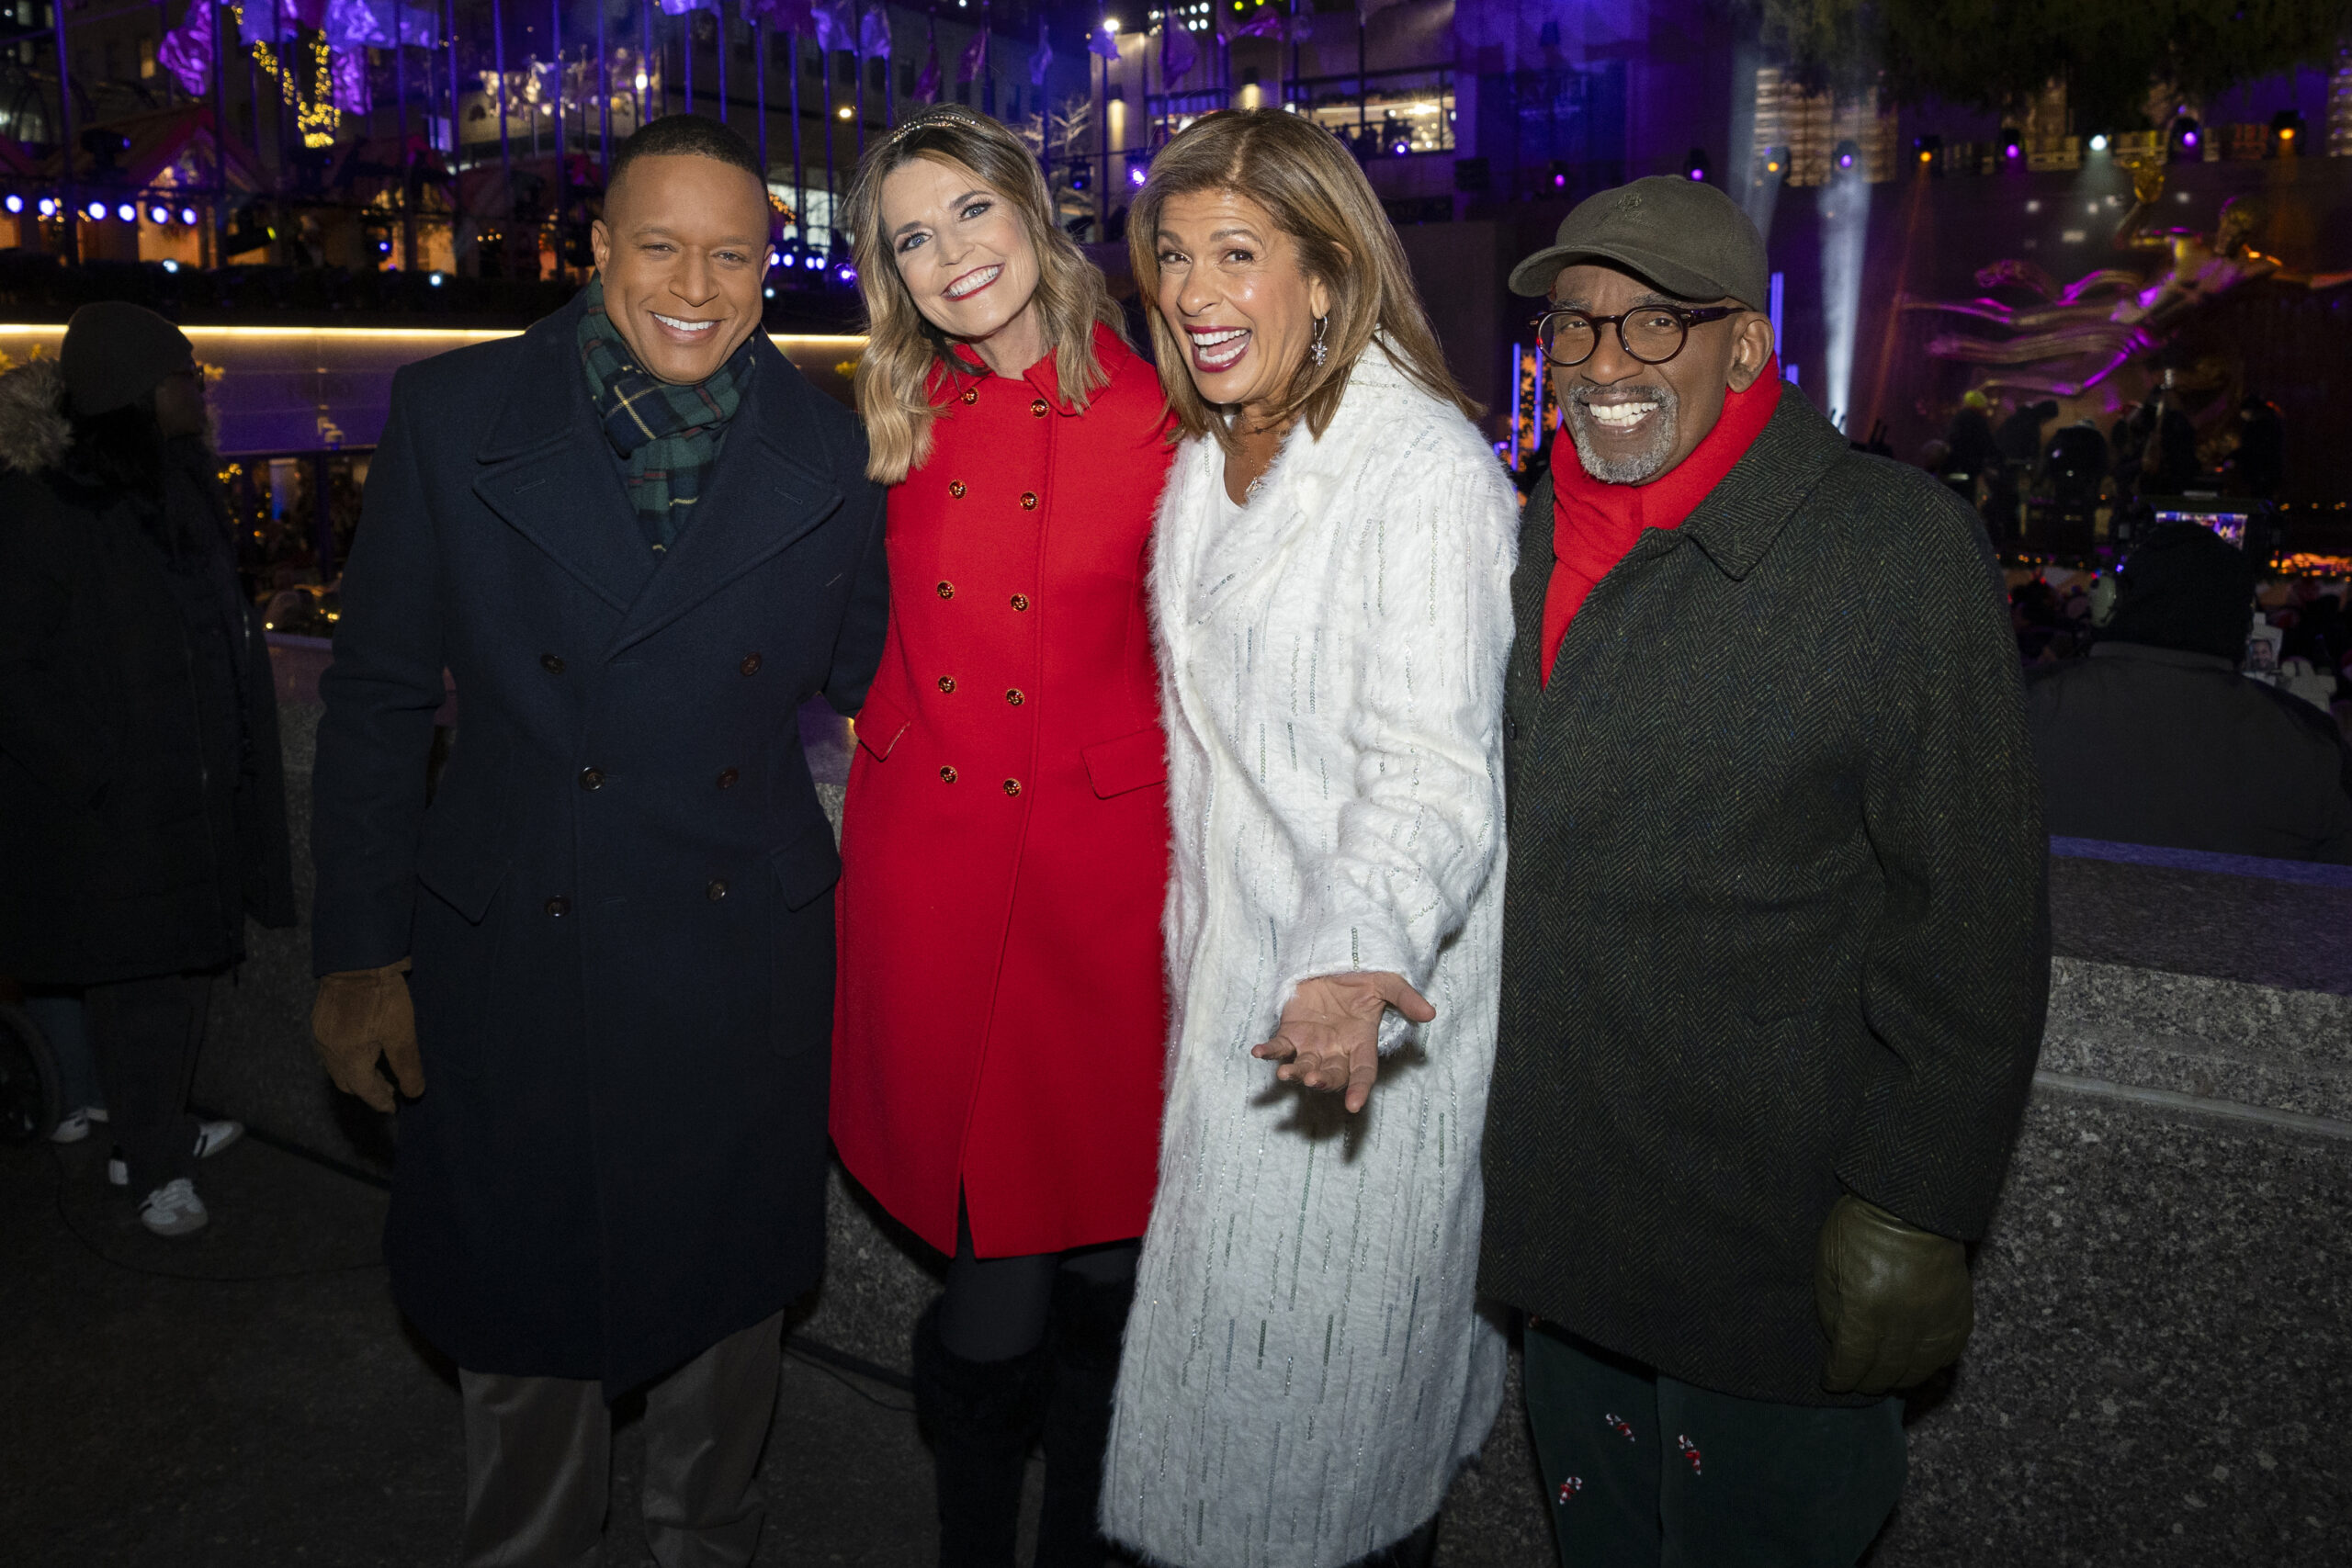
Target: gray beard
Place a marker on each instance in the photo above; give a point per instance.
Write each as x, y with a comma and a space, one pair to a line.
1635, 468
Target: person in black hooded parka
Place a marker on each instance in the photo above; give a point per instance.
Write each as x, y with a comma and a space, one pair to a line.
142, 797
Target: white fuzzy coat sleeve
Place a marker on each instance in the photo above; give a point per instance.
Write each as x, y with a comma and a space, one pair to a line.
1423, 828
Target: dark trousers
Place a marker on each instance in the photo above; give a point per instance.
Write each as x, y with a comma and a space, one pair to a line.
1642, 1470
146, 1034
539, 1460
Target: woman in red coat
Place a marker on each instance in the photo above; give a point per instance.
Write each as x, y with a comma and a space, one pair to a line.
999, 1038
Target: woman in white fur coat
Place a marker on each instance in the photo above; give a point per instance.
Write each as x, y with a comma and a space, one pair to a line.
1306, 1370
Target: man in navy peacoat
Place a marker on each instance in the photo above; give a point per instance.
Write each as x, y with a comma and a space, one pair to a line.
614, 912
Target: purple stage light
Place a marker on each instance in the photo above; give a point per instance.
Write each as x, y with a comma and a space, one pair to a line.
98, 210
2188, 138
159, 214
1845, 160
1698, 173
170, 266
48, 207
2011, 151
127, 212
846, 272
15, 203
1134, 173
188, 216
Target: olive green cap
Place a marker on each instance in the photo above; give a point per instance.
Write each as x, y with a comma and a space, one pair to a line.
1686, 236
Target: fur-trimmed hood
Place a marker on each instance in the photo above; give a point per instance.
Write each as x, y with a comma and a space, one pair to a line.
34, 432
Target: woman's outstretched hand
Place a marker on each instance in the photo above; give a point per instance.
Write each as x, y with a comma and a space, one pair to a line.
1329, 1034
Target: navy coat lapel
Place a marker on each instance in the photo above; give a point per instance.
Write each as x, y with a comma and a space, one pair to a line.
549, 472
761, 499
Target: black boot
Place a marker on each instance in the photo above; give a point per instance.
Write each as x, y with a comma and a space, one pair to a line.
982, 1417
1090, 1316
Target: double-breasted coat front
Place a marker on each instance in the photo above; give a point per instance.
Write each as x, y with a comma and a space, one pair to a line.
617, 902
1001, 1012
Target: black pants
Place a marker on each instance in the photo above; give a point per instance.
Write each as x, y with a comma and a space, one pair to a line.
146, 1034
1642, 1470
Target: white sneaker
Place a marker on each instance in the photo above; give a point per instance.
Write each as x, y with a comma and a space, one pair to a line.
174, 1209
95, 1112
211, 1137
73, 1127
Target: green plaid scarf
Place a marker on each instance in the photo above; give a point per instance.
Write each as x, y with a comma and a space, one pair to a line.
668, 436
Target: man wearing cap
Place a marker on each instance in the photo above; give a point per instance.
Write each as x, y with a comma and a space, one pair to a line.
143, 796
1775, 943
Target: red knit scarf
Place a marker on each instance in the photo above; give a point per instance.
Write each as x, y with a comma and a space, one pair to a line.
1594, 523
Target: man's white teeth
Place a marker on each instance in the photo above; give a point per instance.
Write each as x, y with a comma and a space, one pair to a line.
970, 282
683, 325
1618, 416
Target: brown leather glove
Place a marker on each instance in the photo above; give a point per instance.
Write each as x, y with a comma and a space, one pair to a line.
1894, 1300
361, 1015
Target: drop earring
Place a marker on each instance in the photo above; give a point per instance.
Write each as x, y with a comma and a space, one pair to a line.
1316, 350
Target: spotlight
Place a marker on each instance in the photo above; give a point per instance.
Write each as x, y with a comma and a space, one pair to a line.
1111, 25
1695, 165
814, 263
433, 279
98, 210
846, 272
48, 207
640, 80
170, 266
1136, 174
767, 293
2188, 138
2098, 142
2287, 126
2011, 151
159, 215
128, 212
1848, 154
843, 113
15, 203
188, 216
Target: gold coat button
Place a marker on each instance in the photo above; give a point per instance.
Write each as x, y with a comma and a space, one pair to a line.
1014, 697
1021, 600
1028, 501
947, 775
955, 488
727, 777
1038, 408
715, 892
947, 591
750, 665
947, 682
1013, 786
971, 394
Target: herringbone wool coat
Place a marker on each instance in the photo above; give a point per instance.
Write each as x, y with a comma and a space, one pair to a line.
1306, 1369
1776, 926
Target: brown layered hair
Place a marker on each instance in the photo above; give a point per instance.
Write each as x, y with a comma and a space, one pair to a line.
903, 349
1312, 188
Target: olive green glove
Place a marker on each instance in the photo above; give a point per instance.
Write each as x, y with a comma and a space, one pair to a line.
1894, 1300
361, 1015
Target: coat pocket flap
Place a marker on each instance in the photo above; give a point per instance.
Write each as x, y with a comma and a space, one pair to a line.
879, 726
461, 873
807, 866
1131, 762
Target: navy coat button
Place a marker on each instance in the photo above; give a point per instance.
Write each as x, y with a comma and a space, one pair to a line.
750, 665
1015, 697
592, 778
558, 906
715, 892
947, 775
1013, 786
947, 682
727, 777
550, 663
1021, 600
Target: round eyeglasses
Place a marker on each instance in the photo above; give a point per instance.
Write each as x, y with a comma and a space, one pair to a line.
1651, 333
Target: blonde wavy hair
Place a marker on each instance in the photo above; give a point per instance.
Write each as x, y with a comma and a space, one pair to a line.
903, 348
1312, 188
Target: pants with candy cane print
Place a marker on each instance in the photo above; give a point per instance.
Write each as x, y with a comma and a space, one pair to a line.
1643, 1471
